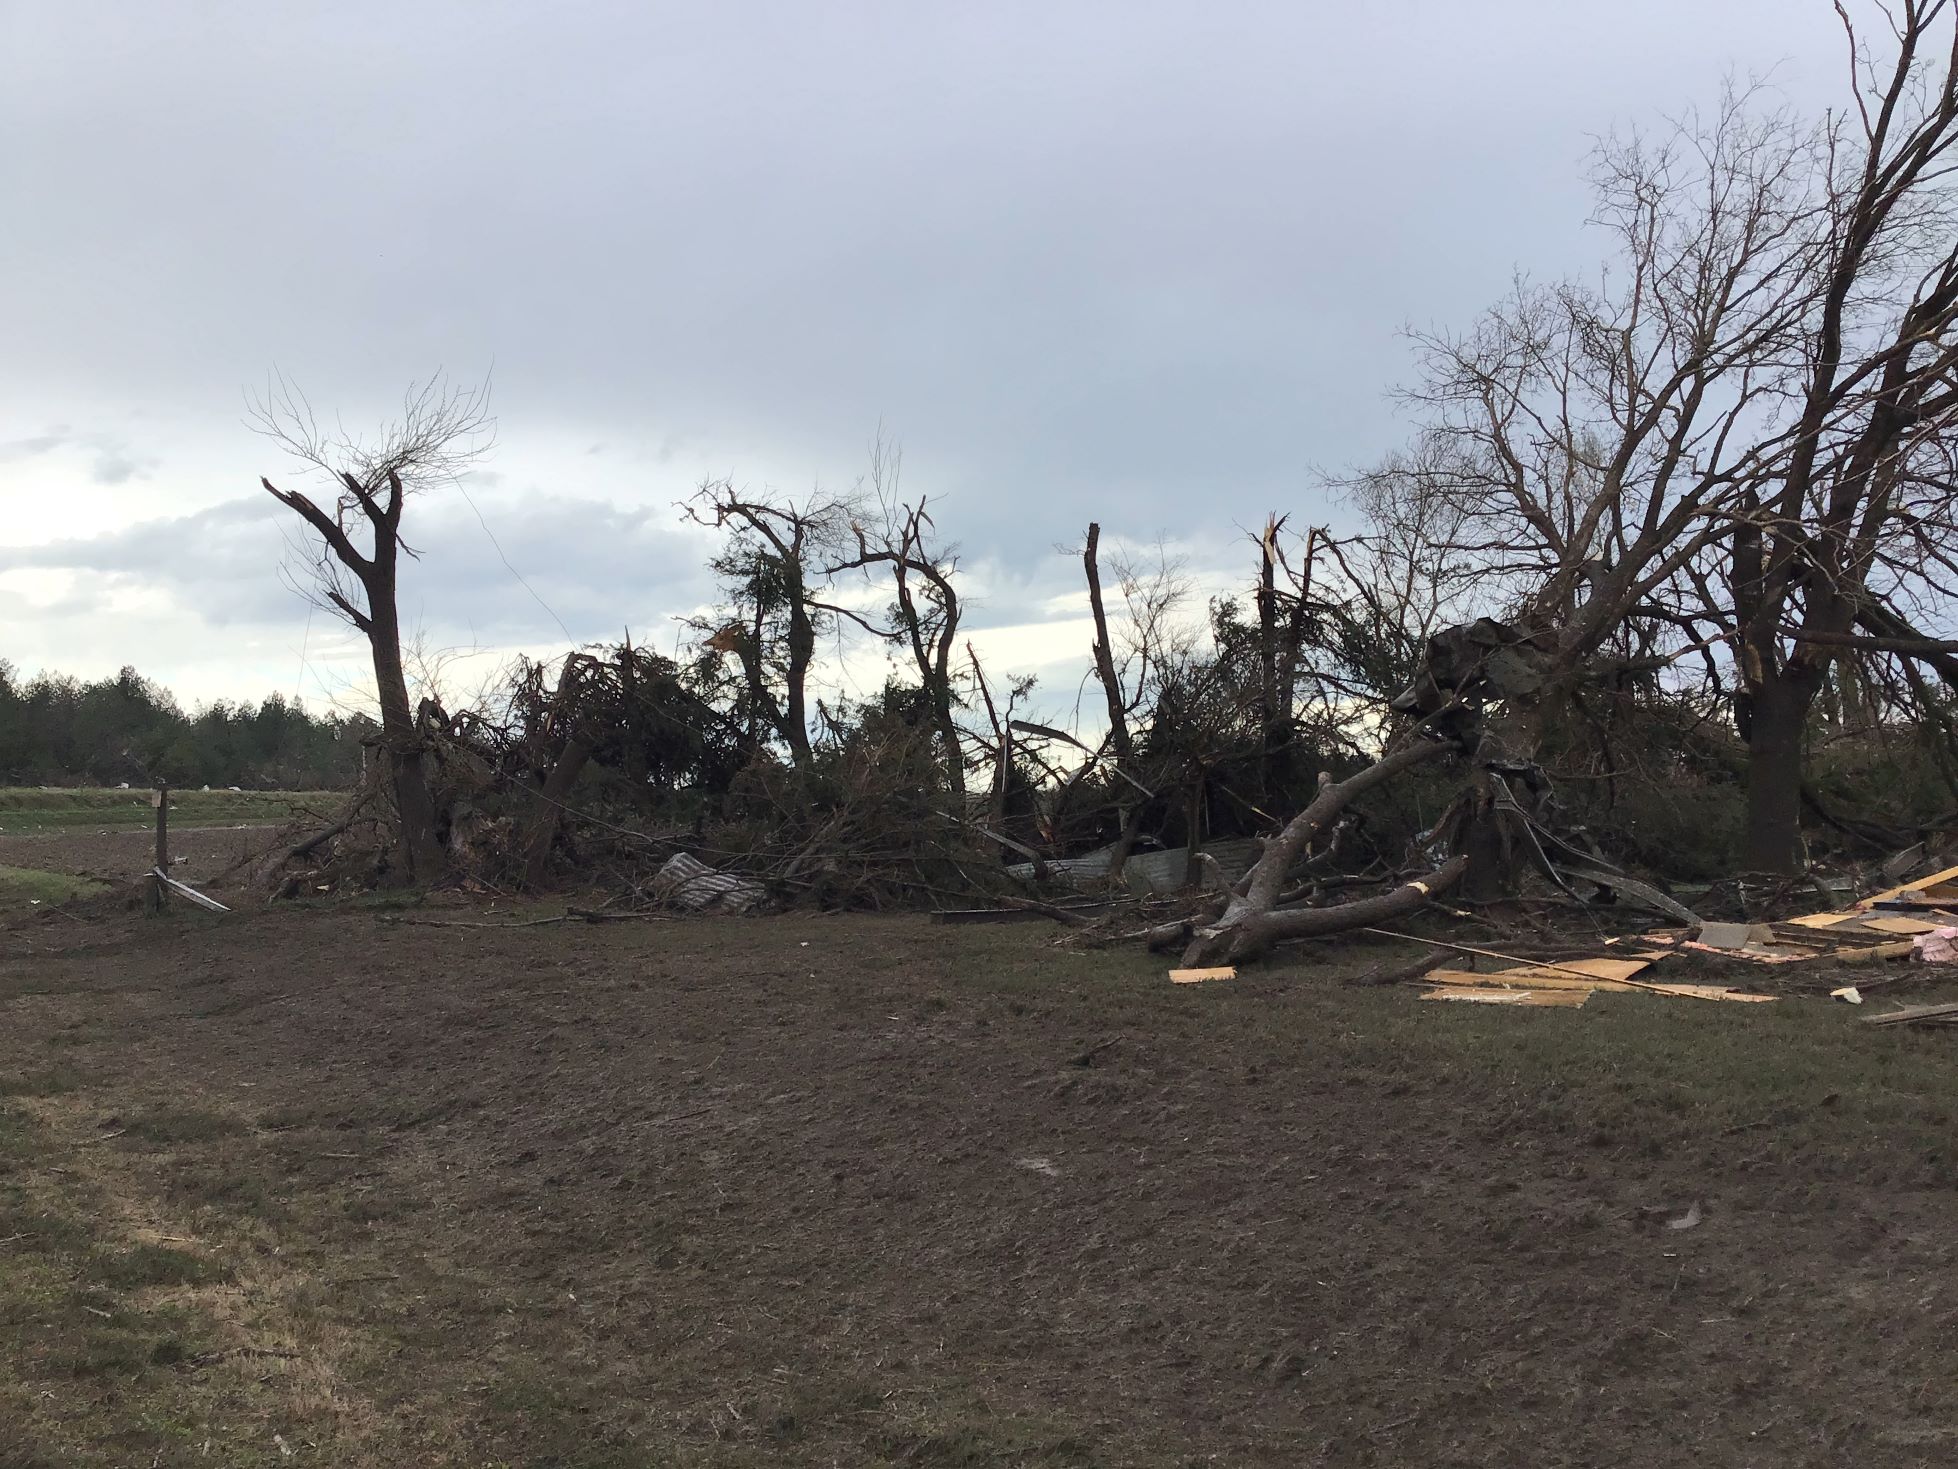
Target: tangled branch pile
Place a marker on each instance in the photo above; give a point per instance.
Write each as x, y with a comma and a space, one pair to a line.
1659, 585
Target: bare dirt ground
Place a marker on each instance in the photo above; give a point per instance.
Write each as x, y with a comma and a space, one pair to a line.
328, 1187
122, 856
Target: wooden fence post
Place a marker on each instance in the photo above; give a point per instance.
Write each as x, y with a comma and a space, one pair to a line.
161, 800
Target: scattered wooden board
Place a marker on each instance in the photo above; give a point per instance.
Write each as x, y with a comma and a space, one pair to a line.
1899, 950
1899, 925
1911, 890
1198, 976
1569, 998
1525, 979
1931, 1014
1820, 920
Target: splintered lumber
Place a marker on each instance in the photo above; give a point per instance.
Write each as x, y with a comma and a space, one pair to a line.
1199, 976
1567, 999
1539, 978
1916, 1015
1899, 950
185, 890
1577, 967
1923, 891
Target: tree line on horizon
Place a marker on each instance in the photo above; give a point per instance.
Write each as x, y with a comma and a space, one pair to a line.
58, 730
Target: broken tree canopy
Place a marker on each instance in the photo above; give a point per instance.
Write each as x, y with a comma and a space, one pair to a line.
1734, 444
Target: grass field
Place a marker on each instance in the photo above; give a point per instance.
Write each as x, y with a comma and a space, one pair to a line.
31, 810
30, 887
318, 1187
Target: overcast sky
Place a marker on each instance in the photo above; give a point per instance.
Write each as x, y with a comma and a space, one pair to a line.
1146, 263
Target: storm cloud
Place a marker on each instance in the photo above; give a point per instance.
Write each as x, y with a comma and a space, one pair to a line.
1141, 262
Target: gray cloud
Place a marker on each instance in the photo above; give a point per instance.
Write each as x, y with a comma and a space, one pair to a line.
591, 565
1126, 259
111, 460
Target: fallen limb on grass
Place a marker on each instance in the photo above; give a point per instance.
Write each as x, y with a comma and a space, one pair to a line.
1252, 921
1244, 932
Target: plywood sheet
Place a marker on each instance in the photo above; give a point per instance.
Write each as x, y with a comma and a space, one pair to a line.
1708, 992
1198, 976
1900, 925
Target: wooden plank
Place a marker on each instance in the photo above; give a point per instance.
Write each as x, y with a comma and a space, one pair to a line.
1936, 879
1562, 998
984, 915
1899, 950
1199, 976
1900, 925
185, 890
1508, 979
1915, 1012
1710, 992
1512, 977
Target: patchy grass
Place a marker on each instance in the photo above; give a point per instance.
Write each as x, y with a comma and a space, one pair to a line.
33, 810
170, 1126
94, 1332
854, 1191
25, 887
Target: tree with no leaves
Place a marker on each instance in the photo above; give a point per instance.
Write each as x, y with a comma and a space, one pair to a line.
924, 611
354, 564
1736, 438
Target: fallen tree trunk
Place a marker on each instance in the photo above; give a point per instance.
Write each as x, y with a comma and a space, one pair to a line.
1244, 933
1252, 920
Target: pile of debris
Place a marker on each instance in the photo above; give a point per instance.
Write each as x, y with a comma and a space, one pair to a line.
1914, 920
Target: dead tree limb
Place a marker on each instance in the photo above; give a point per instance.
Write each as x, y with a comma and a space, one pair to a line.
1252, 921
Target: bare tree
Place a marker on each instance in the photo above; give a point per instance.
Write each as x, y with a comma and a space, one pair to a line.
924, 612
1734, 438
353, 568
1852, 518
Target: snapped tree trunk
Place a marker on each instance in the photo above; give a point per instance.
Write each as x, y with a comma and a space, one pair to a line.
541, 833
407, 764
1119, 739
1778, 707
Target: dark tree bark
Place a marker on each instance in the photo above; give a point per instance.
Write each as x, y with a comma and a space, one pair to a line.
1777, 720
540, 835
379, 621
1120, 741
